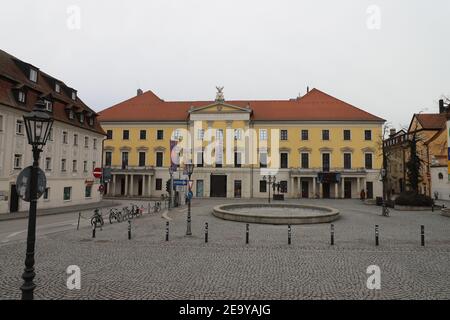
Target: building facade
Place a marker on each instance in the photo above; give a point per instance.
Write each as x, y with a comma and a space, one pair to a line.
316, 146
74, 147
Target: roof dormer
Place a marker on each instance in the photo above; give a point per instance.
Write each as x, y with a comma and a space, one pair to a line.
33, 74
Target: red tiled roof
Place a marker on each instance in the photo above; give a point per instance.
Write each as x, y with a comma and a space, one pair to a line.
432, 121
12, 76
314, 106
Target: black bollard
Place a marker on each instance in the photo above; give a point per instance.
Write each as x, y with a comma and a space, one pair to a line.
93, 230
289, 234
167, 230
332, 234
206, 232
432, 207
79, 216
422, 235
247, 229
129, 229
377, 242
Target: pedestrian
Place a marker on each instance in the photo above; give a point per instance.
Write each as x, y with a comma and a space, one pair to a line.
363, 195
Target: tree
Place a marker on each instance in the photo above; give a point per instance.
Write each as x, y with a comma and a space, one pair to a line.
414, 164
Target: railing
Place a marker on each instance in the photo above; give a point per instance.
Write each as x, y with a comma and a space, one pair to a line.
332, 169
132, 168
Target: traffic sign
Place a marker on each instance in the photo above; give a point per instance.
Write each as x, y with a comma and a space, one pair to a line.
97, 172
23, 183
191, 182
179, 182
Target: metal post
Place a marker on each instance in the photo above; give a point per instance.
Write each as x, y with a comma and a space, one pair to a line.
332, 234
247, 229
149, 206
270, 186
432, 207
422, 235
188, 230
206, 232
377, 242
79, 216
167, 230
129, 229
289, 234
94, 227
171, 195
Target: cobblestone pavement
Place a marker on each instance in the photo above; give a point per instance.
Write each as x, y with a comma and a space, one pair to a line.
148, 267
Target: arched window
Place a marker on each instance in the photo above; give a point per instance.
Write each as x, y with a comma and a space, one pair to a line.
440, 176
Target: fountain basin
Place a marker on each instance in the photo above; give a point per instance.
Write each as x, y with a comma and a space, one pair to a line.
276, 213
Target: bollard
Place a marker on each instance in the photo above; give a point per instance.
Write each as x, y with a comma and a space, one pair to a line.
289, 234
422, 235
79, 216
93, 230
247, 227
432, 207
377, 242
167, 230
129, 229
148, 208
332, 234
206, 232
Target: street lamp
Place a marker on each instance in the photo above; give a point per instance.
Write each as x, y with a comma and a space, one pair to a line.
38, 124
189, 168
270, 180
171, 198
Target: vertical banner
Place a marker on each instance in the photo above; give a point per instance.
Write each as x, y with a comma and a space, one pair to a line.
174, 161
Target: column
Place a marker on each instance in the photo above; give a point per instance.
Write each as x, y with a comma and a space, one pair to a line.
112, 189
342, 187
314, 187
320, 191
131, 185
358, 187
299, 186
336, 191
126, 185
143, 185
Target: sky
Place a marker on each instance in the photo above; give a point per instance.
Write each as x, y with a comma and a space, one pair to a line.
390, 58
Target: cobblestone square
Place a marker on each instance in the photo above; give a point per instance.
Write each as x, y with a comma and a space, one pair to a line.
148, 267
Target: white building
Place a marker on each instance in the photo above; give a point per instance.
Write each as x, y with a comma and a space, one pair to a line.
74, 147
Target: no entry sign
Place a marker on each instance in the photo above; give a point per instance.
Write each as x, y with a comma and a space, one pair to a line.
97, 172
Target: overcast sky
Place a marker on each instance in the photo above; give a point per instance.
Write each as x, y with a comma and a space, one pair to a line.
391, 58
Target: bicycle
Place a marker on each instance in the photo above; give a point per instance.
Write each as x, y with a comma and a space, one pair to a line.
115, 214
157, 207
97, 219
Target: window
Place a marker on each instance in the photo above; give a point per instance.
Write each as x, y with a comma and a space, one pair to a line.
200, 159
176, 135
48, 105
124, 159
283, 186
47, 193
33, 75
126, 134
57, 87
108, 158
305, 161
71, 114
84, 166
160, 134
200, 134
109, 134
64, 137
74, 166
143, 134
158, 184
262, 186
347, 160
67, 194
75, 139
94, 144
19, 127
88, 191
237, 134
367, 134
86, 142
21, 96
74, 95
159, 159
63, 165
284, 135
94, 165
91, 121
347, 135
440, 176
141, 159
284, 160
263, 160
325, 134
325, 162
262, 134
368, 160
237, 159
305, 135
48, 164
17, 161
81, 117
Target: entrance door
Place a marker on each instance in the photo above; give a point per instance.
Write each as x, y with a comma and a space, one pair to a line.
140, 187
122, 186
347, 189
325, 190
369, 189
14, 200
199, 188
218, 186
305, 189
237, 188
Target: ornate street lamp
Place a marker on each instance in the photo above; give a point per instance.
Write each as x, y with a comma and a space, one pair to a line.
189, 169
38, 124
270, 181
171, 198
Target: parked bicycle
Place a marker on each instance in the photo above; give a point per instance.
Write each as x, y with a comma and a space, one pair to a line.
115, 214
156, 207
97, 218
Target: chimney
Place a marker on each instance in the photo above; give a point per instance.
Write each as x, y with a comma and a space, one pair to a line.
307, 89
392, 132
441, 106
140, 92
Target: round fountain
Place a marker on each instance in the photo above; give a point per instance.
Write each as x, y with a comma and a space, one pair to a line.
277, 213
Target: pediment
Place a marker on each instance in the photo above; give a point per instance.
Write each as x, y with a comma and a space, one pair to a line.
219, 107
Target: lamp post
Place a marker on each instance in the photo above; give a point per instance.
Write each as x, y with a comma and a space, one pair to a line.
171, 171
270, 180
189, 168
38, 124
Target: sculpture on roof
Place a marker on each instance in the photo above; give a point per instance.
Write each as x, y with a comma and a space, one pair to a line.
219, 95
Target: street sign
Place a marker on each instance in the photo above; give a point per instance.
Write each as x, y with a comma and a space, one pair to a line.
97, 172
107, 175
179, 182
23, 183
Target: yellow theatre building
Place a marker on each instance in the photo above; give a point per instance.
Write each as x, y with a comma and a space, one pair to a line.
316, 146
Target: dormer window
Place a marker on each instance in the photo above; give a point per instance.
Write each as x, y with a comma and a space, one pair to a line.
57, 87
71, 114
33, 75
91, 121
48, 105
81, 117
74, 95
21, 96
